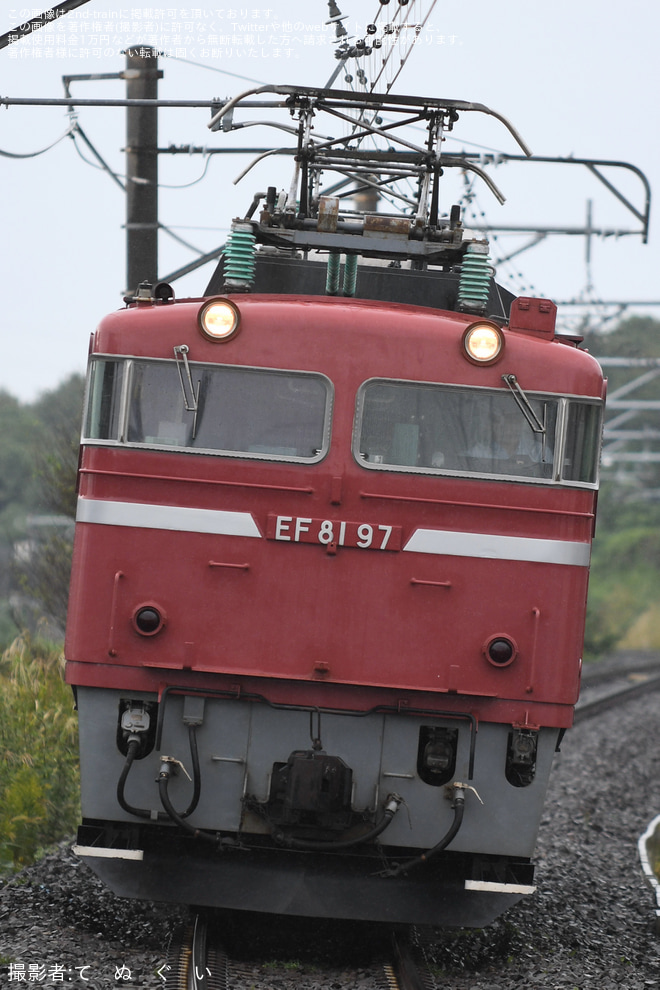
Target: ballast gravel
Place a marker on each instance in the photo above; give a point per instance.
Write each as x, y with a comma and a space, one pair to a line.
589, 926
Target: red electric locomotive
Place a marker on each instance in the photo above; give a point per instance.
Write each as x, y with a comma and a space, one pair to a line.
332, 549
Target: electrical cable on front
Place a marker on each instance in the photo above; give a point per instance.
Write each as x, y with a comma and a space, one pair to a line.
134, 745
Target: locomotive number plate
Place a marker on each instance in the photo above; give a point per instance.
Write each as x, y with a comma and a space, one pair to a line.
341, 533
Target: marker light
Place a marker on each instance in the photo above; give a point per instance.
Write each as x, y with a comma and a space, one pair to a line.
148, 620
500, 651
483, 342
219, 319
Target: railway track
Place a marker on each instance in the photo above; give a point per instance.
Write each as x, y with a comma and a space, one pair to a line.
197, 960
408, 969
608, 684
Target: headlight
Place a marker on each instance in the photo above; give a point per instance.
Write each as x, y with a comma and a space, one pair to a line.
219, 319
483, 342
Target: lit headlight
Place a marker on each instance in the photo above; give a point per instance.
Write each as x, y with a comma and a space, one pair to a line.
219, 319
483, 342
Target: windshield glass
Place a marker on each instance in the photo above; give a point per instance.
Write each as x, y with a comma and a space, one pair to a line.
440, 428
247, 411
583, 433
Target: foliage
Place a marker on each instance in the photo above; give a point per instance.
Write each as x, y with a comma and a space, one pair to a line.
625, 572
44, 577
39, 802
616, 601
625, 576
60, 413
42, 573
638, 336
624, 584
17, 436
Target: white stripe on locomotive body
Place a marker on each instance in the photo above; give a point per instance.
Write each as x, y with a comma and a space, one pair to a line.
486, 545
147, 515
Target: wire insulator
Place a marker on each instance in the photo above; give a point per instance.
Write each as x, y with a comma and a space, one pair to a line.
240, 258
350, 274
474, 282
332, 277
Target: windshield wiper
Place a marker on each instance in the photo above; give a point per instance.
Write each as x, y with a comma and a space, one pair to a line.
525, 405
190, 395
527, 409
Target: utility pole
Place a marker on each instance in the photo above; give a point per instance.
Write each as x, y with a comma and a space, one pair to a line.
142, 75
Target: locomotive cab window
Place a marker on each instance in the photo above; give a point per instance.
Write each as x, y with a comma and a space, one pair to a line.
104, 400
582, 448
445, 429
220, 409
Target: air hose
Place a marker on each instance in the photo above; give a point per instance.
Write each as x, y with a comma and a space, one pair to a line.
163, 783
197, 777
391, 808
459, 809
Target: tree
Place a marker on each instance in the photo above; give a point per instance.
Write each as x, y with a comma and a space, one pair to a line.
632, 434
60, 414
44, 568
625, 571
17, 436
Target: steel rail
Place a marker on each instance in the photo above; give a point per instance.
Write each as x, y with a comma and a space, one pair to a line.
647, 682
404, 971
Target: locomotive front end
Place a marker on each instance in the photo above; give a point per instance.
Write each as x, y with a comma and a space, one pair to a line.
330, 575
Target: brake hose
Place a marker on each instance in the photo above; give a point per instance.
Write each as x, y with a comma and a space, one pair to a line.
391, 808
459, 808
163, 783
197, 777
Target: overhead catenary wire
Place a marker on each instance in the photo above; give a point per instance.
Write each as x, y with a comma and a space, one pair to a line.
76, 131
42, 20
181, 240
41, 151
397, 10
363, 51
212, 68
477, 216
77, 134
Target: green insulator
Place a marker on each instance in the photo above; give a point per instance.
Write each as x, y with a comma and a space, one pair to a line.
350, 274
240, 258
332, 277
474, 282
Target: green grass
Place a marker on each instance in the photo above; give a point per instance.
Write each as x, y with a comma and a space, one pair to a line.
39, 779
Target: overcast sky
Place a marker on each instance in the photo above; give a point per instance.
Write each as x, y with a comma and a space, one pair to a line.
575, 78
